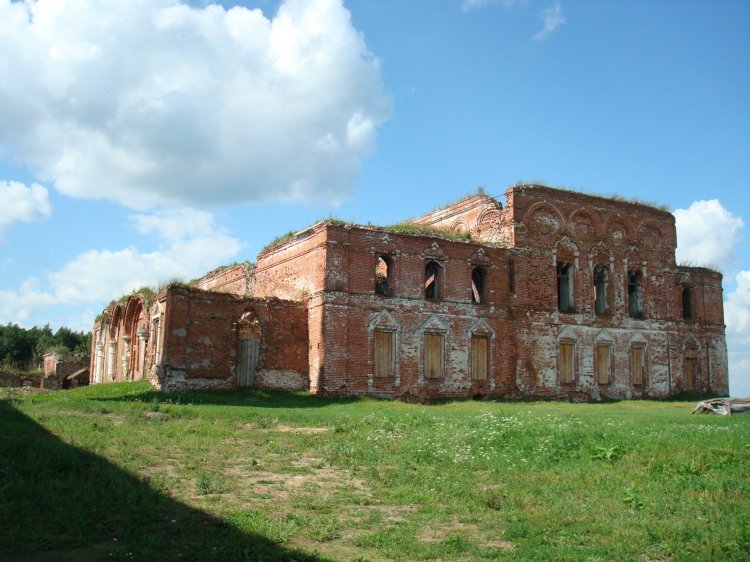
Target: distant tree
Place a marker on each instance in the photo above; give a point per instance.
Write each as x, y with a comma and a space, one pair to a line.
21, 347
16, 346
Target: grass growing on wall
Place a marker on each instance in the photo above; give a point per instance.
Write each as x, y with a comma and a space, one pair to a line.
119, 472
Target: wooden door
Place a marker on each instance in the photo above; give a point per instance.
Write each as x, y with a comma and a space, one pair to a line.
433, 356
479, 358
383, 353
249, 350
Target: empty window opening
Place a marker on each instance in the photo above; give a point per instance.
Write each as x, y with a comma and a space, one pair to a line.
511, 276
431, 276
564, 287
601, 279
477, 285
383, 269
433, 356
566, 361
479, 357
383, 353
603, 363
635, 294
691, 371
637, 364
687, 313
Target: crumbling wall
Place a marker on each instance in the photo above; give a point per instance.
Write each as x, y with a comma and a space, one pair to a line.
558, 294
236, 279
201, 341
352, 310
479, 215
295, 269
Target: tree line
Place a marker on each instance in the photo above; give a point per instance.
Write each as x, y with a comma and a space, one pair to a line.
23, 348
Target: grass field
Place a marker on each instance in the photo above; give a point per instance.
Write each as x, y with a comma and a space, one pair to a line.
119, 472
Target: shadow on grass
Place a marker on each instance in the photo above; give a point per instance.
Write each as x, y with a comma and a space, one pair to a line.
59, 502
258, 398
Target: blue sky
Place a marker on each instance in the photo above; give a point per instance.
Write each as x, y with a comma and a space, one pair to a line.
148, 140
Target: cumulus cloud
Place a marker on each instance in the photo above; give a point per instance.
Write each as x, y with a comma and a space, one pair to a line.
552, 18
92, 278
707, 234
153, 101
739, 379
737, 308
21, 203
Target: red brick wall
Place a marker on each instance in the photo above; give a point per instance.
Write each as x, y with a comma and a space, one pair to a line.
480, 215
325, 339
235, 279
351, 309
294, 270
201, 344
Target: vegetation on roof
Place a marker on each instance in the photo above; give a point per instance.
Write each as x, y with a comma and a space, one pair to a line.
687, 264
479, 190
427, 230
287, 236
247, 264
613, 196
278, 241
171, 283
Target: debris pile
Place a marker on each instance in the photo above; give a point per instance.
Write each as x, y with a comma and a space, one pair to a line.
724, 406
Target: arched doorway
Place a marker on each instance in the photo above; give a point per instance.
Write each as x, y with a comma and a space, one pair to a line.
249, 330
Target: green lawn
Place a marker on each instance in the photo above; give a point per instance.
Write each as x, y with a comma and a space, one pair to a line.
119, 472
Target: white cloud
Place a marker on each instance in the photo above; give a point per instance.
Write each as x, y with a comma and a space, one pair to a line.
553, 18
474, 4
153, 101
737, 317
737, 308
21, 203
739, 376
192, 245
707, 234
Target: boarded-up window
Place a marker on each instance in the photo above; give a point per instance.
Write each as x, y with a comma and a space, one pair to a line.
383, 353
637, 364
567, 362
479, 358
433, 356
603, 360
691, 370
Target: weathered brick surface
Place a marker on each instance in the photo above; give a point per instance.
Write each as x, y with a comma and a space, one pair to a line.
201, 345
120, 342
319, 297
237, 279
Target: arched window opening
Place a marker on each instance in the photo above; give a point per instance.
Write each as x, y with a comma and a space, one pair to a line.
477, 285
383, 274
601, 279
635, 294
431, 276
565, 287
687, 312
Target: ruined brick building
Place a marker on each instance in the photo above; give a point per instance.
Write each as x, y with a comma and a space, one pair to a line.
555, 294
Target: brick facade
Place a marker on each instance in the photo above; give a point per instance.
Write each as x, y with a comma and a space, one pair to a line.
556, 294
